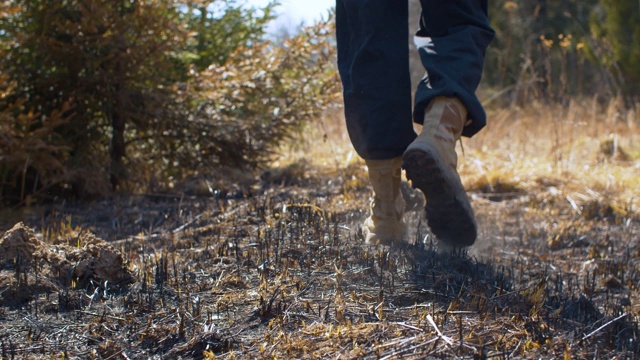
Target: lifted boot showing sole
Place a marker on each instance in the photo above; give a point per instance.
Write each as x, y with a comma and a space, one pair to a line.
430, 163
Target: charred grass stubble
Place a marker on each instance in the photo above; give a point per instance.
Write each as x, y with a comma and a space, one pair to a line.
282, 272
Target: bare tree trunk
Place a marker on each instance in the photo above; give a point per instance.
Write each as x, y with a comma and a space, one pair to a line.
117, 115
118, 170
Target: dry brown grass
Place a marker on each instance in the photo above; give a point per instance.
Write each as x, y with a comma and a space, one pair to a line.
586, 150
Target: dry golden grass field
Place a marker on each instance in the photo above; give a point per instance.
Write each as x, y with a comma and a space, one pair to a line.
274, 266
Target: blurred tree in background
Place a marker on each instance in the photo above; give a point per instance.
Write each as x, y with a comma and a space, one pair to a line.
616, 24
539, 50
136, 95
107, 64
218, 28
559, 50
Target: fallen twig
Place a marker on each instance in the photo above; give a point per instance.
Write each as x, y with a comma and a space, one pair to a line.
409, 326
603, 326
433, 323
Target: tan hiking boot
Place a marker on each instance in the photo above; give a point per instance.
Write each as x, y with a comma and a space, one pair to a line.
431, 161
386, 224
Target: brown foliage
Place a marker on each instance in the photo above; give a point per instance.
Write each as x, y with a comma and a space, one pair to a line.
102, 94
32, 152
263, 96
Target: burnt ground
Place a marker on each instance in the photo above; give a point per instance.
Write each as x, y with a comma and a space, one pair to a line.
278, 269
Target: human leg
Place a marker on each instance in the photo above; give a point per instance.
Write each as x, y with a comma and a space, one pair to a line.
374, 68
373, 60
452, 42
385, 223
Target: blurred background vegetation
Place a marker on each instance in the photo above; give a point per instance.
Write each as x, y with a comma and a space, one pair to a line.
98, 96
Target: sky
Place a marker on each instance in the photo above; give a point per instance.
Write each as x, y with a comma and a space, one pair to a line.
293, 12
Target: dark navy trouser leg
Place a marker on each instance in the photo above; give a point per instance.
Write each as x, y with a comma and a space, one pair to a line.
373, 59
458, 34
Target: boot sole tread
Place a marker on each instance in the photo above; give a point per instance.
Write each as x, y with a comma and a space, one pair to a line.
446, 197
